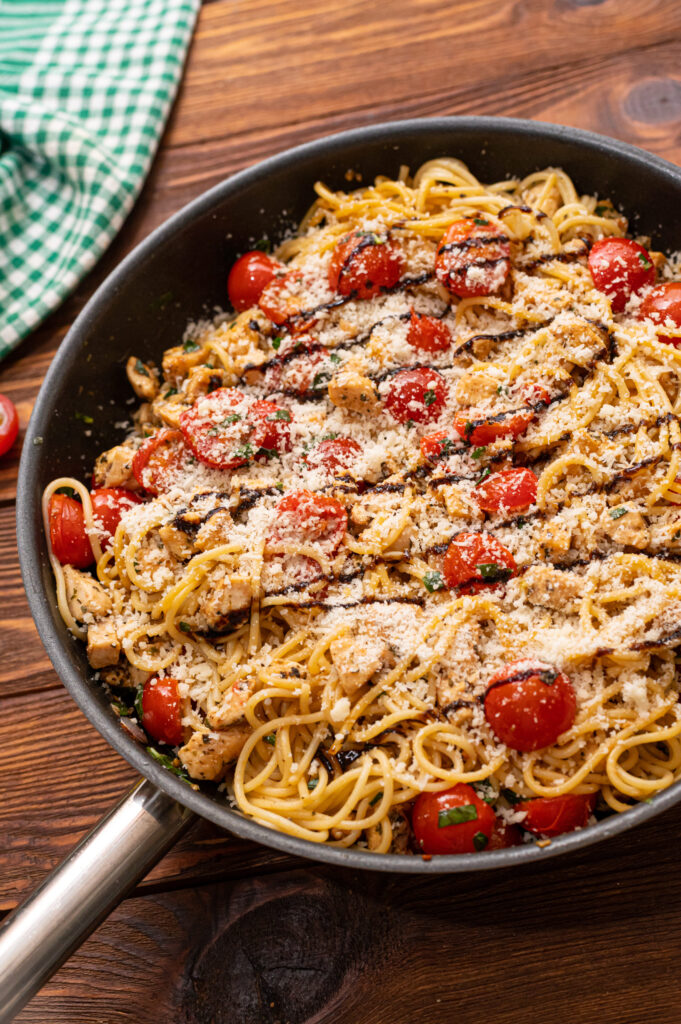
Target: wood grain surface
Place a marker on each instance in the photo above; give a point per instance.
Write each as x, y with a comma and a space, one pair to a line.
222, 930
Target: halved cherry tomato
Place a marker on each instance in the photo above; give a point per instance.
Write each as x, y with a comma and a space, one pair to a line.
553, 815
504, 836
364, 264
529, 705
509, 490
9, 424
158, 461
476, 561
248, 278
620, 267
162, 711
662, 305
69, 541
418, 395
473, 257
307, 370
227, 428
483, 432
334, 455
453, 821
427, 333
440, 445
108, 505
305, 515
281, 301
534, 395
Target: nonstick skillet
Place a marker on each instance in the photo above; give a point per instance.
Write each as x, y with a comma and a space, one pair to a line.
175, 275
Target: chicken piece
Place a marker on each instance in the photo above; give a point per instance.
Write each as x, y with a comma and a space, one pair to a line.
85, 594
113, 468
177, 542
625, 526
459, 502
214, 531
666, 536
462, 673
351, 390
475, 386
178, 361
556, 538
224, 595
356, 659
103, 645
577, 333
552, 588
231, 708
207, 754
204, 379
143, 378
124, 675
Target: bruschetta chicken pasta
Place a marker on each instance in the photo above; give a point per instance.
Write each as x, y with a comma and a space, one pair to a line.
391, 553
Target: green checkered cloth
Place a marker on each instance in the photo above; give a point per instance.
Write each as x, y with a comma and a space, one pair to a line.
85, 90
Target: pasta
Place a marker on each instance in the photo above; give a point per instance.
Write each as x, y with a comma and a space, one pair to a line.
405, 524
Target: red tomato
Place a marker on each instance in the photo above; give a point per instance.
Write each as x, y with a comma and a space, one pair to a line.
363, 264
476, 561
473, 257
334, 455
662, 305
162, 711
281, 301
306, 373
509, 490
482, 432
158, 460
553, 815
9, 424
534, 395
248, 278
70, 544
427, 333
504, 836
439, 445
418, 395
227, 429
306, 516
108, 505
529, 705
620, 267
453, 821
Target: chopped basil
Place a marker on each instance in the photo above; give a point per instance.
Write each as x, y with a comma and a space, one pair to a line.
244, 451
601, 210
280, 487
409, 424
270, 738
511, 796
617, 513
334, 357
503, 389
69, 492
375, 799
185, 627
480, 841
121, 709
167, 762
312, 783
457, 815
645, 262
468, 428
280, 414
485, 791
169, 393
483, 476
481, 221
429, 397
448, 446
320, 378
548, 676
190, 346
263, 244
490, 571
433, 581
276, 342
478, 452
520, 522
82, 416
141, 368
266, 453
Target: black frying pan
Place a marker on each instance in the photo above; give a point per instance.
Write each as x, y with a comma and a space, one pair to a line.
177, 274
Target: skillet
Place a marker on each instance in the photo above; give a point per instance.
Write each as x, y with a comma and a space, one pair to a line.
175, 275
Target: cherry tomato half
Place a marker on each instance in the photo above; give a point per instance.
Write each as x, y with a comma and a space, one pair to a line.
108, 505
483, 432
334, 455
453, 821
440, 445
553, 815
504, 836
473, 257
162, 711
529, 705
619, 267
9, 424
282, 302
534, 395
509, 490
306, 370
249, 277
428, 334
227, 428
307, 516
364, 264
69, 541
476, 561
662, 305
158, 461
418, 395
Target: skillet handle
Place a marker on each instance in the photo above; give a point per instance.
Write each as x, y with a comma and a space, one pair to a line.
37, 937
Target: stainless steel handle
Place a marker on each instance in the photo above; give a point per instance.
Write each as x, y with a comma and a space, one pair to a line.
37, 937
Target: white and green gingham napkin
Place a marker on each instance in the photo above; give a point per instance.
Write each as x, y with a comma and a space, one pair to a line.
85, 90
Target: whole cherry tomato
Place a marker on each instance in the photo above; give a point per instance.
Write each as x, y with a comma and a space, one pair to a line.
248, 278
476, 561
529, 705
428, 334
553, 815
158, 461
364, 264
69, 541
455, 820
509, 490
619, 267
334, 455
162, 710
473, 257
662, 305
9, 424
418, 395
483, 432
108, 505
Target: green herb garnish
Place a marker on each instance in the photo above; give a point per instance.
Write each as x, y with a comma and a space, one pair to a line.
169, 393
167, 762
334, 357
478, 452
280, 487
491, 572
190, 346
429, 397
141, 368
481, 221
276, 342
617, 513
485, 791
312, 783
263, 244
511, 796
483, 476
69, 492
244, 451
645, 262
270, 738
433, 581
457, 815
185, 627
480, 841
280, 414
82, 416
375, 799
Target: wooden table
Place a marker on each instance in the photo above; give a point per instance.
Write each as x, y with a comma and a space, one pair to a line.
224, 931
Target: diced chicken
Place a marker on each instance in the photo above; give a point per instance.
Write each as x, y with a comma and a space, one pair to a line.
176, 541
351, 390
207, 754
625, 526
85, 594
356, 659
125, 675
225, 594
203, 379
231, 708
462, 672
475, 386
579, 333
666, 536
178, 361
113, 468
459, 502
103, 645
556, 538
552, 588
214, 531
143, 378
